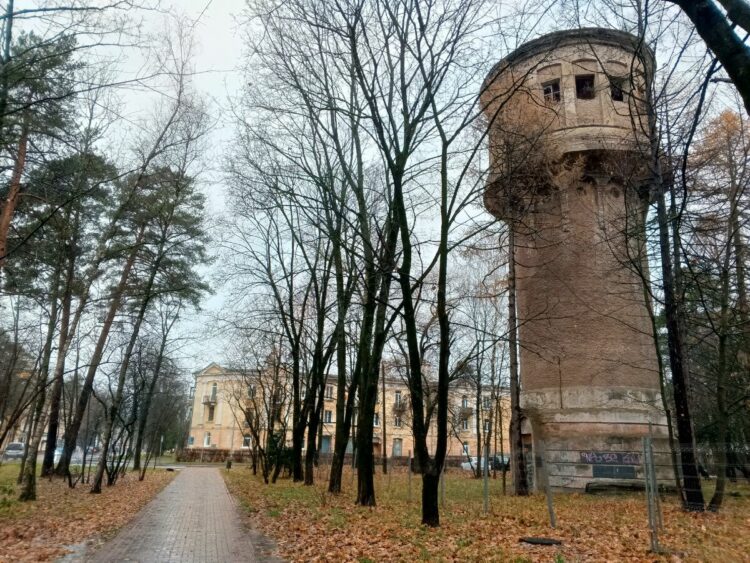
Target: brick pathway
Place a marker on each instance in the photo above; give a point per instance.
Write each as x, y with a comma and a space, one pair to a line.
194, 519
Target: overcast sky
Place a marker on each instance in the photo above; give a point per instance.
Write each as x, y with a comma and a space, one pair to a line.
217, 64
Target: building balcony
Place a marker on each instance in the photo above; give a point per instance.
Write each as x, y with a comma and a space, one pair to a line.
465, 413
209, 399
399, 408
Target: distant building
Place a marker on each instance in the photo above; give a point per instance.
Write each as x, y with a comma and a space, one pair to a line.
222, 399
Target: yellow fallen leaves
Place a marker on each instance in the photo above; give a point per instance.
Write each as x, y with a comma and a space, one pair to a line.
41, 530
309, 525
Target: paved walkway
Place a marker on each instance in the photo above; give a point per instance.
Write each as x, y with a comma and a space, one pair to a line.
194, 519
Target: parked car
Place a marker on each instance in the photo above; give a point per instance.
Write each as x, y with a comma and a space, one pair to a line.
14, 451
497, 462
470, 464
76, 458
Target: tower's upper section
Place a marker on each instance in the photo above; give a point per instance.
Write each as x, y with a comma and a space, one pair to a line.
583, 89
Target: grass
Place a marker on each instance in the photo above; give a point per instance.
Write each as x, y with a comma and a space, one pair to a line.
308, 523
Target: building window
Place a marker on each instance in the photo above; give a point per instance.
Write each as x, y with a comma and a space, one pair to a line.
617, 88
214, 391
191, 440
464, 402
247, 441
329, 391
465, 424
397, 422
251, 391
207, 439
551, 91
398, 447
211, 413
466, 448
585, 87
398, 397
487, 426
328, 417
376, 420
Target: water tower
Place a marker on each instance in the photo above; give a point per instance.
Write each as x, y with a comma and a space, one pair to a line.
566, 171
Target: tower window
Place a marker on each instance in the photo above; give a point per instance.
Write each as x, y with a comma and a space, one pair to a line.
617, 88
551, 91
585, 87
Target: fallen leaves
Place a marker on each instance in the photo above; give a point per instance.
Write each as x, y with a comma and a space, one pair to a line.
41, 530
309, 525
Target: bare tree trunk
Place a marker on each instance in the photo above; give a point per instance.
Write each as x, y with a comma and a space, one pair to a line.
58, 377
71, 431
342, 438
518, 464
385, 436
312, 433
115, 407
28, 490
149, 396
691, 481
723, 442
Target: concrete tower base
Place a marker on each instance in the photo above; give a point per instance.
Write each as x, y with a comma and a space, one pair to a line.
589, 435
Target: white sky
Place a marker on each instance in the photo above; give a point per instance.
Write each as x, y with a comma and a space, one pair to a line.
218, 57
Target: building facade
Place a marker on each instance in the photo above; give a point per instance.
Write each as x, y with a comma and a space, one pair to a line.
567, 110
221, 396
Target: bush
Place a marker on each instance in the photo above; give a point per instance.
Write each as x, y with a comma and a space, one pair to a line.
211, 455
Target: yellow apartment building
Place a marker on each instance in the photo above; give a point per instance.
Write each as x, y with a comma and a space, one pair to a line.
221, 397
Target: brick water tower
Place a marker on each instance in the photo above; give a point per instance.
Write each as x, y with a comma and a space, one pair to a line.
566, 169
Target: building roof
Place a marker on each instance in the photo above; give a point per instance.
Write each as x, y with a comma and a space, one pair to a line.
556, 39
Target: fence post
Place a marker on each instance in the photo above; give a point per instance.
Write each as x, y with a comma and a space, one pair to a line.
486, 484
408, 472
442, 487
654, 483
542, 466
648, 477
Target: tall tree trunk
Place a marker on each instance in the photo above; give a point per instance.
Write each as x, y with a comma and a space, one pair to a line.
312, 430
385, 435
517, 462
28, 490
723, 442
14, 191
58, 377
743, 308
691, 481
143, 418
4, 77
115, 408
71, 431
342, 437
373, 335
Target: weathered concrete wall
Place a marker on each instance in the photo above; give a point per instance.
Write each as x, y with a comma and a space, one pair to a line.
588, 363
